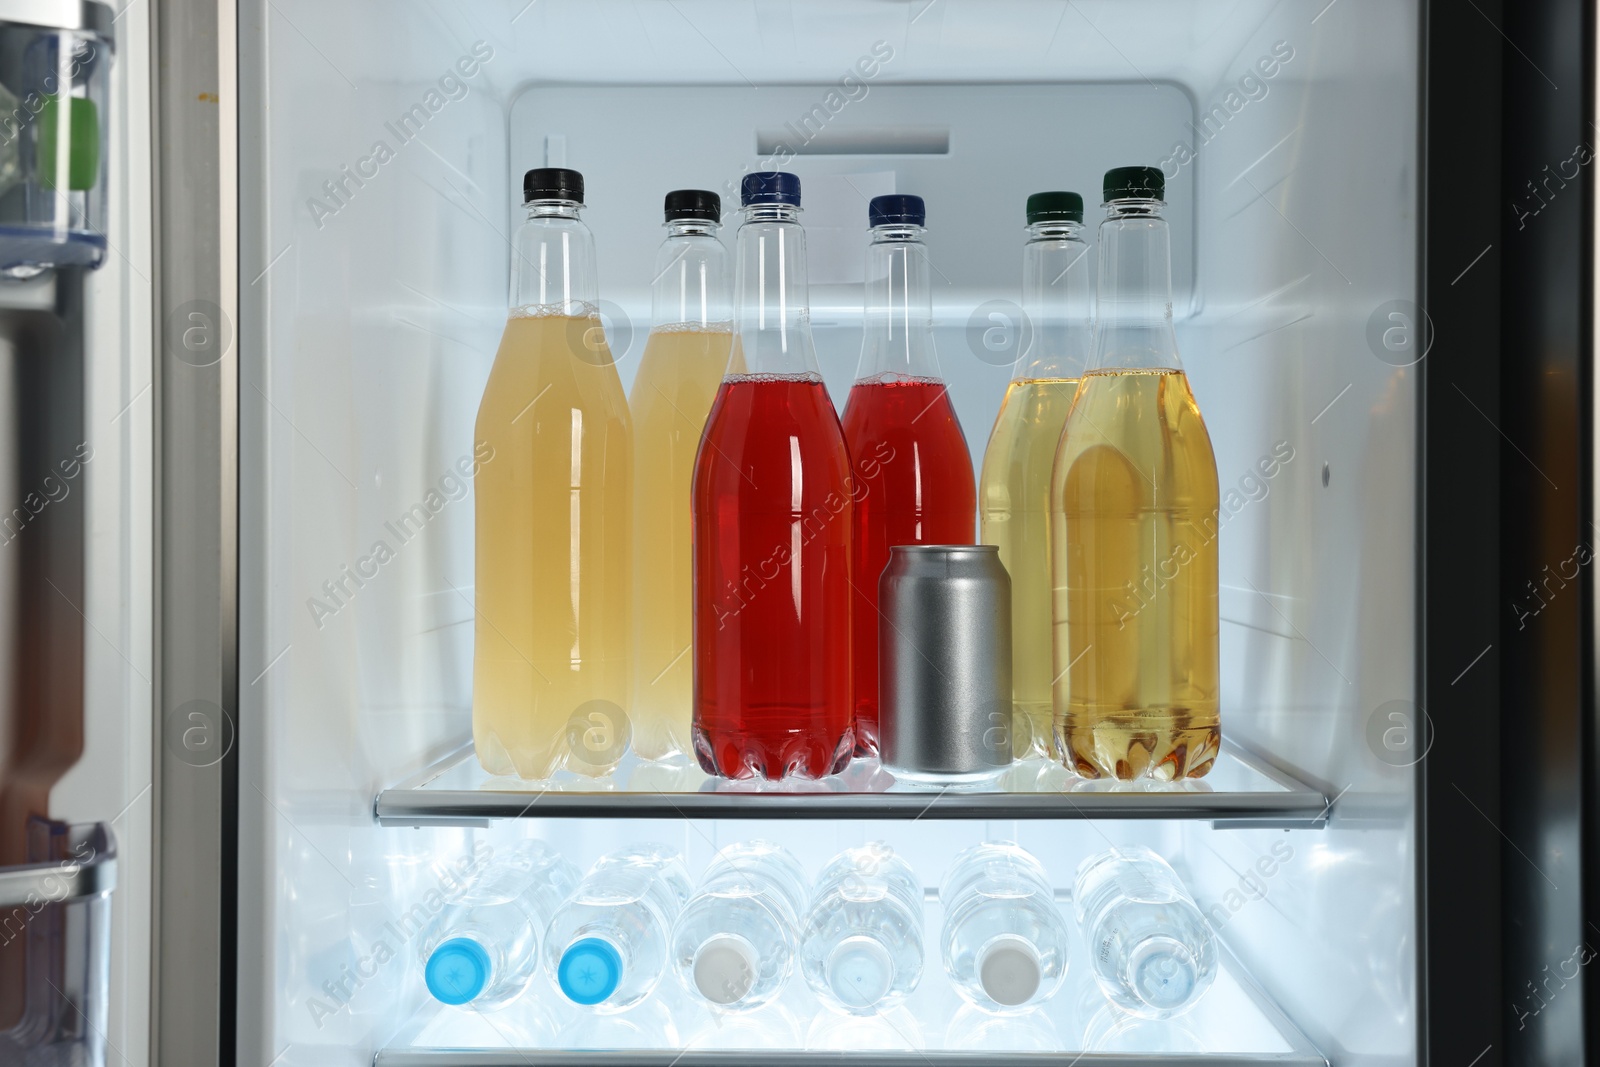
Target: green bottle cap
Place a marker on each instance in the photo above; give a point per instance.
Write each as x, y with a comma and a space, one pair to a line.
1135, 183
82, 138
1055, 207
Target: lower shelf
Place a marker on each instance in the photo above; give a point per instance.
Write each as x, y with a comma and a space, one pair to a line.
1235, 1022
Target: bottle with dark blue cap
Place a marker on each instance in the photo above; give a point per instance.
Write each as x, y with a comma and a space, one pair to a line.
606, 946
772, 674
899, 406
482, 949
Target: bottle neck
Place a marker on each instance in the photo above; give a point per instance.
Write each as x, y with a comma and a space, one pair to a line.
1133, 303
897, 324
1057, 297
774, 314
691, 278
553, 261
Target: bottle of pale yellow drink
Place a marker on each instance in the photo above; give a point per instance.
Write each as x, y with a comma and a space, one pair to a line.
684, 361
551, 672
1014, 491
1133, 536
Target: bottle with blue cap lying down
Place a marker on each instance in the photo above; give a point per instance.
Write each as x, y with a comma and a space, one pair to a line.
1004, 939
1153, 954
607, 945
735, 941
861, 949
482, 950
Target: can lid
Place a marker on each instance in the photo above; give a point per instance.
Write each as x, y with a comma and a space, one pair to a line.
457, 971
725, 968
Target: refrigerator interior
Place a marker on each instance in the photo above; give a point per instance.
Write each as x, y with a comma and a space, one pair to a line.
380, 186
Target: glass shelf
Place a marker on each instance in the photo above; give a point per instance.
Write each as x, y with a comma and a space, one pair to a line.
1234, 1023
1241, 790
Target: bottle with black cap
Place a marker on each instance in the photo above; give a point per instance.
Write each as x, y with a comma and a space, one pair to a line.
902, 432
772, 513
554, 503
691, 335
1134, 523
1014, 488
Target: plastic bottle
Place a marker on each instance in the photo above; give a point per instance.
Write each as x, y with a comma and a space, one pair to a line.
553, 460
772, 521
735, 941
914, 483
482, 949
861, 950
607, 945
1153, 954
685, 358
1004, 939
1014, 489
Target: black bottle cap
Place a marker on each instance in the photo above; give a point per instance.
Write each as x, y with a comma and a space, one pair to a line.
770, 187
693, 204
1135, 183
1055, 207
552, 183
897, 209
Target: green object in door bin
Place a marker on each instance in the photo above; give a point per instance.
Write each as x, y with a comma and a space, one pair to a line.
83, 141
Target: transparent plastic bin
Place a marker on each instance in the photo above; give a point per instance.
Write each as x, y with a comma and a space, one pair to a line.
53, 128
60, 910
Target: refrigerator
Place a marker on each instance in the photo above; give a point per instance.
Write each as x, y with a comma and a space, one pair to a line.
1381, 219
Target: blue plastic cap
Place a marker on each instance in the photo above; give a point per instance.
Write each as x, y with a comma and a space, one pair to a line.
457, 971
770, 187
897, 209
590, 971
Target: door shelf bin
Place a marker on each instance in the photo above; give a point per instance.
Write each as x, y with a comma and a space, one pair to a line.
1242, 790
1235, 1024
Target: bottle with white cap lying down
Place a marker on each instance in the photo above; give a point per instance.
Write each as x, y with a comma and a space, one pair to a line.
861, 950
735, 941
1004, 939
1153, 954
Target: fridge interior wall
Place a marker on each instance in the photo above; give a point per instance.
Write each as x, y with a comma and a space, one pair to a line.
372, 307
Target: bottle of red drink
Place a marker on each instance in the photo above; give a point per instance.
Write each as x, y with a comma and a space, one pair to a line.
772, 529
913, 473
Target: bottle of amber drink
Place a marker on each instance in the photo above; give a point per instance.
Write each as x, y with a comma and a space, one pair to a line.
550, 674
683, 364
1015, 489
1133, 527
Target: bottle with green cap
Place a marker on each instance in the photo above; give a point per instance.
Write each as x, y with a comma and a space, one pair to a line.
1133, 523
1014, 488
607, 945
482, 949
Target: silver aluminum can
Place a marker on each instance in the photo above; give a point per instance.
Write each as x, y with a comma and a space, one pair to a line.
944, 662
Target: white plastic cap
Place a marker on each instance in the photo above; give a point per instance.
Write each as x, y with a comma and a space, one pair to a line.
725, 968
860, 972
1008, 970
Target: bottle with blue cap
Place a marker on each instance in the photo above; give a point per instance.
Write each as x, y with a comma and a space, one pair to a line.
772, 607
861, 949
606, 946
482, 950
1004, 940
902, 432
735, 941
1152, 953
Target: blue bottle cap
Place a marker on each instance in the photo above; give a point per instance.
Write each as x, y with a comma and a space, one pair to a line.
590, 971
897, 208
457, 971
770, 187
